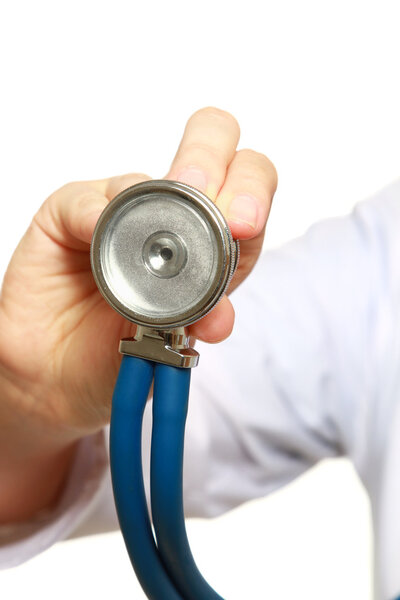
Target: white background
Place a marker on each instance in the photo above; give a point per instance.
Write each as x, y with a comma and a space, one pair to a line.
91, 89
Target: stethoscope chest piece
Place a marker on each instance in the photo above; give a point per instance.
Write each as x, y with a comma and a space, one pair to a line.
162, 254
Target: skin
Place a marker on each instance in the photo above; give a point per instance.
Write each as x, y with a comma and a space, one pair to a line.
59, 338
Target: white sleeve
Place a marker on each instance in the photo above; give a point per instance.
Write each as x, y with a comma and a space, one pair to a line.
298, 378
81, 493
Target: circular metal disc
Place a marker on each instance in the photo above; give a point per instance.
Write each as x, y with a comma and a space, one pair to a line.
162, 254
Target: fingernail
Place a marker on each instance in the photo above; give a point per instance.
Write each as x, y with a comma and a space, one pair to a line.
244, 209
194, 177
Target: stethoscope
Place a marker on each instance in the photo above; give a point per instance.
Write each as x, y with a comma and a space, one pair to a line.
162, 256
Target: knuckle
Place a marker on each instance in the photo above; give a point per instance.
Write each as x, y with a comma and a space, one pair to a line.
129, 179
217, 114
253, 156
69, 189
273, 176
253, 183
261, 163
122, 182
84, 198
201, 153
66, 193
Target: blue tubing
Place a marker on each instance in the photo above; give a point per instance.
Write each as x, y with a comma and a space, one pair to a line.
170, 403
129, 400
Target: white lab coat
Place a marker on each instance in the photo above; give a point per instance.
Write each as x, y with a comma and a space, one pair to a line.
312, 370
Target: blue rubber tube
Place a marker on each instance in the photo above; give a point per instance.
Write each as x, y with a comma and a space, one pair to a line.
170, 403
129, 400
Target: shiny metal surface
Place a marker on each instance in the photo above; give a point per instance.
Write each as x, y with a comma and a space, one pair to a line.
162, 254
170, 348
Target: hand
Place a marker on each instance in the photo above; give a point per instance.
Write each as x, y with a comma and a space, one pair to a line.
59, 338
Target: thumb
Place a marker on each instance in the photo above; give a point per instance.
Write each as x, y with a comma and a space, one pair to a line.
69, 216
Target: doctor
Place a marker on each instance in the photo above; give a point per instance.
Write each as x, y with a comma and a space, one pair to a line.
322, 316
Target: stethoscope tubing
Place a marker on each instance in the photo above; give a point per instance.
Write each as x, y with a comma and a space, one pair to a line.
128, 404
170, 405
164, 566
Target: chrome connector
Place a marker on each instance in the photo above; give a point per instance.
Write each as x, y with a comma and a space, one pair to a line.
170, 347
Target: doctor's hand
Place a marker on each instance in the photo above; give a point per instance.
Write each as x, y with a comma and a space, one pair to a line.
58, 337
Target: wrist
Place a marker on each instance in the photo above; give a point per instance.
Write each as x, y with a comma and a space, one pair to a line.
32, 485
35, 455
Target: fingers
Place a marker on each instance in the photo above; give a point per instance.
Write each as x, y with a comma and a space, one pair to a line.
207, 147
246, 195
110, 188
217, 325
242, 183
70, 214
116, 185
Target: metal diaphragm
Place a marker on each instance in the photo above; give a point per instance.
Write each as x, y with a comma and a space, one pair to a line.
162, 254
